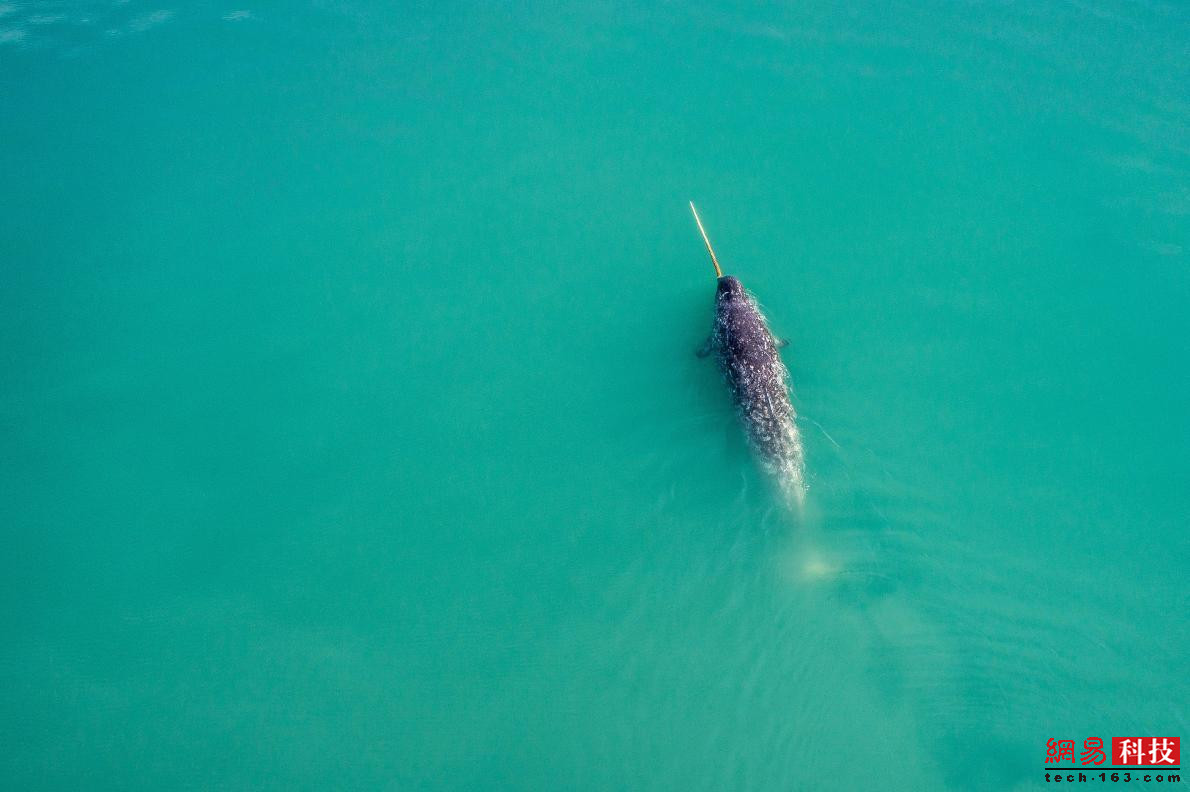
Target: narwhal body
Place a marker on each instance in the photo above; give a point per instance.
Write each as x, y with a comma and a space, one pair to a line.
750, 360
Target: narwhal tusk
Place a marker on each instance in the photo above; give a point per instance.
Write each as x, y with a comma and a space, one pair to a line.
711, 250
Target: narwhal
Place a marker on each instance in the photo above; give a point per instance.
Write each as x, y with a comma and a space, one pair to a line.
751, 364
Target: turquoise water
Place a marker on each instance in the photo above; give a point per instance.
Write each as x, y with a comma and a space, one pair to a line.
353, 439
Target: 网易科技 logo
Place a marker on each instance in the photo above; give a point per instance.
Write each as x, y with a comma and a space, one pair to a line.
1127, 755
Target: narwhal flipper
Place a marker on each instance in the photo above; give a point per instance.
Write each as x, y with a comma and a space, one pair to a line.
706, 348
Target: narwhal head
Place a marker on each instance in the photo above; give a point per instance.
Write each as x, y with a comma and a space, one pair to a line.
729, 288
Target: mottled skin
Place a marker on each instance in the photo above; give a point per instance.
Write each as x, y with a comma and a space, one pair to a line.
752, 366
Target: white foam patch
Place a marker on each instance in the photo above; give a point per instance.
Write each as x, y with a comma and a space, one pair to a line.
807, 565
52, 27
148, 21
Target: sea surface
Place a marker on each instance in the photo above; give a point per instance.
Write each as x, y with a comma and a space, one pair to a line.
352, 436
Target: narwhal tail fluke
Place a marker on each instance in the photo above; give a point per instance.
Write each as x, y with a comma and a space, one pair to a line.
790, 480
